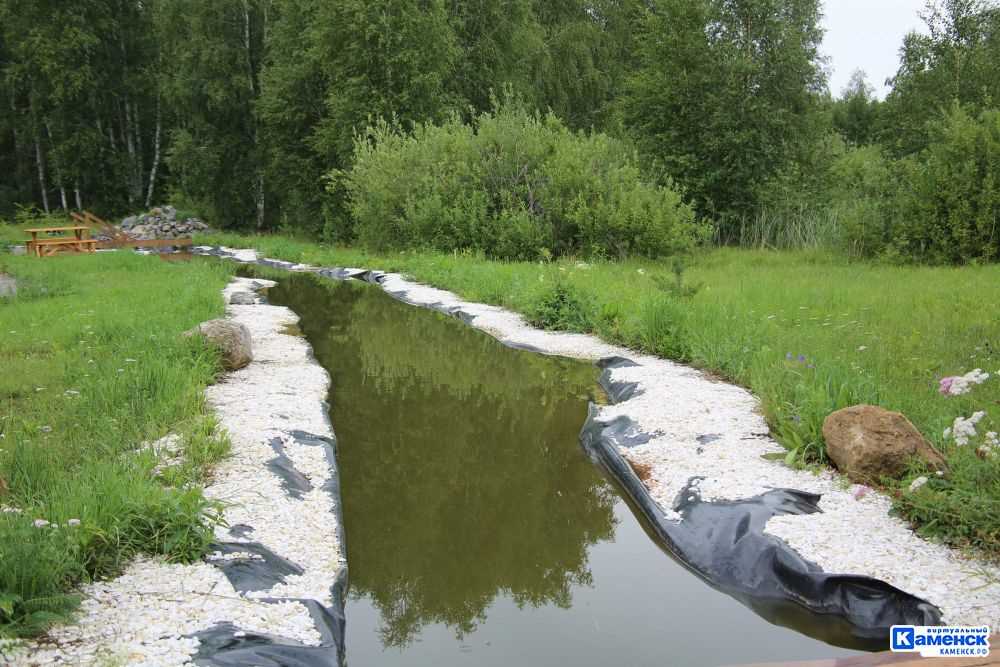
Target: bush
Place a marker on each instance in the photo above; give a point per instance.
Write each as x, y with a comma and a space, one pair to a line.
513, 185
939, 206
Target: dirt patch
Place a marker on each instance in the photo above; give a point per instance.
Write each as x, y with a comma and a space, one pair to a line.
643, 470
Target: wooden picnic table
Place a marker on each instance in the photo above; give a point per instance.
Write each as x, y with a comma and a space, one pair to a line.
80, 241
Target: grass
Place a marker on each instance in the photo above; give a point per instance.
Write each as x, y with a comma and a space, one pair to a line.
807, 331
93, 366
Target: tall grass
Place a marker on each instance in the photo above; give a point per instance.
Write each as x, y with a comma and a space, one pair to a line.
93, 366
807, 331
801, 228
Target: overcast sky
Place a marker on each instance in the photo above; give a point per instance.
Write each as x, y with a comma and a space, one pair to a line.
867, 34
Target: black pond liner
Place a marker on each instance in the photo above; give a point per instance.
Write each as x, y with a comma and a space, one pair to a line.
722, 542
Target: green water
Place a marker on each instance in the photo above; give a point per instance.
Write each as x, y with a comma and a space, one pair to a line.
478, 532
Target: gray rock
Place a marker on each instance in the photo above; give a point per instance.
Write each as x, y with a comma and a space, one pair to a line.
130, 222
232, 339
8, 286
242, 299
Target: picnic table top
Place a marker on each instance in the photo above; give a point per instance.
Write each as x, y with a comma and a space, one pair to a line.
71, 228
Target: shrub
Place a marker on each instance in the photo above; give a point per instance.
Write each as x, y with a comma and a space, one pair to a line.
939, 206
513, 185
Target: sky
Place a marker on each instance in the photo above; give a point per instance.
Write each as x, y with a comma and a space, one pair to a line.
867, 34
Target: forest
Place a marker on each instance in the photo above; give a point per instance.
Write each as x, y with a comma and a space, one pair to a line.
713, 118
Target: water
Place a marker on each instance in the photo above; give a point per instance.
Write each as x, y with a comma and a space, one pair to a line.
478, 532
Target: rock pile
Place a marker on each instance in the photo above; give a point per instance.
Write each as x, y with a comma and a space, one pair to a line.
161, 223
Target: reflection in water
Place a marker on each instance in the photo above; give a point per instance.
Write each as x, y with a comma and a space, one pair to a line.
446, 507
478, 533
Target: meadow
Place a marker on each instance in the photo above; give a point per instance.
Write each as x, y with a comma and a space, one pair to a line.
93, 366
808, 332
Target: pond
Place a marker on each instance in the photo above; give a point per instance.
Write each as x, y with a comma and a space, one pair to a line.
478, 531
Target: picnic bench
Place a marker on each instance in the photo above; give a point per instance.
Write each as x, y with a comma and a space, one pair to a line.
72, 238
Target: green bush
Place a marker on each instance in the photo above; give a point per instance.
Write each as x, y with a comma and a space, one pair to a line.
513, 185
941, 205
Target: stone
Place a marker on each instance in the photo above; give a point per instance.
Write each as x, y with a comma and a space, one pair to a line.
242, 299
8, 286
232, 339
868, 443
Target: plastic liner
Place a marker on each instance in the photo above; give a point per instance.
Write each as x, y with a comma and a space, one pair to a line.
723, 542
253, 574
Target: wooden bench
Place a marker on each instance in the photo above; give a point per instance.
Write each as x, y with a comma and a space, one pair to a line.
80, 240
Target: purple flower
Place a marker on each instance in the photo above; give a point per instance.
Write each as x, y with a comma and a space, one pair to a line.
945, 385
802, 358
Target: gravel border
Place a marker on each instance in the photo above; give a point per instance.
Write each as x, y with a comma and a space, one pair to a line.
686, 425
279, 570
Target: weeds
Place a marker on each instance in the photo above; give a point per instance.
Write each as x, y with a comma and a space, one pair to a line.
93, 366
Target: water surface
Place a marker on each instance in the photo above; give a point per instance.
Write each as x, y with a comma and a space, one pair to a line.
478, 532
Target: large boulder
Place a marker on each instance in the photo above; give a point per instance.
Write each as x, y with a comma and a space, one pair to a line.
231, 338
867, 443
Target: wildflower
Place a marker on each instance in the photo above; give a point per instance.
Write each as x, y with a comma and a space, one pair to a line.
121, 370
957, 385
38, 389
641, 272
917, 483
41, 523
862, 348
859, 491
130, 361
73, 523
72, 392
788, 355
7, 509
46, 429
963, 429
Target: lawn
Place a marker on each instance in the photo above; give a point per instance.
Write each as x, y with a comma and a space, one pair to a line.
808, 332
93, 365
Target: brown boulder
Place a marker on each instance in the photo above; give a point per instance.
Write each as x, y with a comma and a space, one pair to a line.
231, 338
867, 443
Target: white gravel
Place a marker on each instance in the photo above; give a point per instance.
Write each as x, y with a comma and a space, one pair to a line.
143, 616
678, 404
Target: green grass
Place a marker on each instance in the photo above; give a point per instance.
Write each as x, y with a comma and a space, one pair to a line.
93, 366
868, 333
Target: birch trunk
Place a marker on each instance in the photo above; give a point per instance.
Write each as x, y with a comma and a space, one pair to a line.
76, 191
156, 157
130, 146
41, 172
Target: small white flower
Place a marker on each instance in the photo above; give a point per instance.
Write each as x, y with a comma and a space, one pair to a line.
7, 509
862, 348
46, 429
130, 361
641, 272
41, 523
73, 523
917, 483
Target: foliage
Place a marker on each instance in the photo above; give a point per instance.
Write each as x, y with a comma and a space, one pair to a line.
511, 184
94, 367
957, 59
940, 206
725, 94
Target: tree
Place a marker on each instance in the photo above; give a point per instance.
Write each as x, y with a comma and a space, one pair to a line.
214, 54
725, 94
856, 112
958, 60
